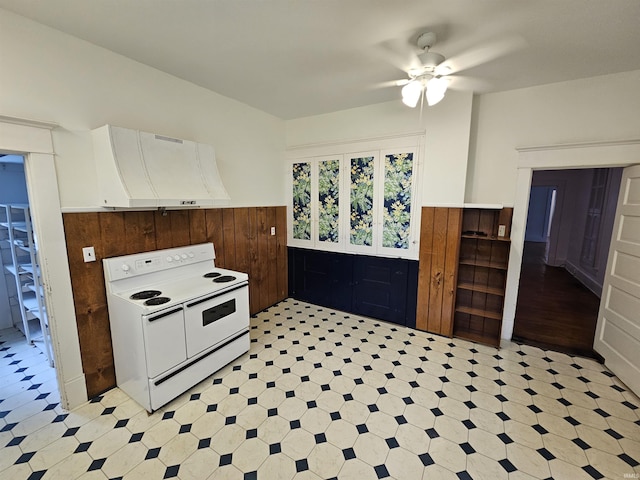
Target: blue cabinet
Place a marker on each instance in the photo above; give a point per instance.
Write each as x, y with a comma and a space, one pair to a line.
377, 287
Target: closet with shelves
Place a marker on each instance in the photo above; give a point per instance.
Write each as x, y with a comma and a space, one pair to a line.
16, 231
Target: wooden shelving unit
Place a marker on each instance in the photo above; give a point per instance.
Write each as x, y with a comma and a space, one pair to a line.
482, 274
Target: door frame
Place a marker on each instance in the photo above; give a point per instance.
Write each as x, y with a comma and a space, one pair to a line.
621, 153
33, 140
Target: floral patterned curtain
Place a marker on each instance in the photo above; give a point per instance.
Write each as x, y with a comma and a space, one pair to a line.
329, 201
361, 221
302, 201
398, 171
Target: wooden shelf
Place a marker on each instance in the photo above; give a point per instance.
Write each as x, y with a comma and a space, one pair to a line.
481, 288
488, 238
481, 275
480, 312
478, 338
482, 263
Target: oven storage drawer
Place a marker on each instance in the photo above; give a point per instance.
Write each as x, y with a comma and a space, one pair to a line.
164, 340
169, 386
213, 318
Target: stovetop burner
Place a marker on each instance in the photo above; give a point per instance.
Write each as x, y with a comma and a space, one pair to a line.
212, 275
145, 294
157, 301
224, 279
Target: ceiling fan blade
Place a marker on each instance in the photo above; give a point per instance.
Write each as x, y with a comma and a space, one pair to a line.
391, 83
467, 84
481, 54
400, 55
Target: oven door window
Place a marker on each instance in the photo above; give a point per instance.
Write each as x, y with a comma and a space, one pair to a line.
222, 310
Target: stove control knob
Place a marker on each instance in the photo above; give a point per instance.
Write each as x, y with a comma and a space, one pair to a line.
184, 256
125, 268
191, 255
169, 259
176, 257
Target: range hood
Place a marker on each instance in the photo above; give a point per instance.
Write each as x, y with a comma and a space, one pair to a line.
140, 170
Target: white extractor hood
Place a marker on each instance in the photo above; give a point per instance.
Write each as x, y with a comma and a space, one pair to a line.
140, 170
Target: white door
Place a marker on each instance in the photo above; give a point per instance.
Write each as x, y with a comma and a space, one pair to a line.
618, 330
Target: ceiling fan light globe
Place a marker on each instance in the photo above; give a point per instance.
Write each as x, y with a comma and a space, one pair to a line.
436, 88
411, 93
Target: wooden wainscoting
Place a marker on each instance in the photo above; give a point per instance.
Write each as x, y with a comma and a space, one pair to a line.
242, 239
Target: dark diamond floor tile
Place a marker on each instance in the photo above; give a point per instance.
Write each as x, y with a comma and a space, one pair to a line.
83, 447
593, 472
467, 448
629, 460
381, 471
348, 453
171, 471
152, 453
392, 442
15, 441
302, 465
25, 457
581, 443
96, 464
507, 465
546, 454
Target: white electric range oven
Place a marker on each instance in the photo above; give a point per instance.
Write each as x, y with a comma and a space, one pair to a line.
175, 319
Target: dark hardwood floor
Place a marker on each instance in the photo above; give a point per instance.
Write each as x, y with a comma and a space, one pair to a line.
554, 310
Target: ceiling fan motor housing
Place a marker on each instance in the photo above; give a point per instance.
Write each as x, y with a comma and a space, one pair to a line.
430, 60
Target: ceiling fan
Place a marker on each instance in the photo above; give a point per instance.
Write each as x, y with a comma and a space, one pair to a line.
429, 78
431, 73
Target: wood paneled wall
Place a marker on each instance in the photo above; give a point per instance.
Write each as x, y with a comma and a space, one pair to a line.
439, 249
241, 237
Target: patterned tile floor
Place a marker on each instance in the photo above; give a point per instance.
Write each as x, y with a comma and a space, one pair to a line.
326, 395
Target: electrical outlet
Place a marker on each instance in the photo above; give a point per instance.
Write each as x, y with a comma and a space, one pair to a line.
502, 229
273, 230
89, 254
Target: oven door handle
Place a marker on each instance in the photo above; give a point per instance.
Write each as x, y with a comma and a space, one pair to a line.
202, 300
164, 314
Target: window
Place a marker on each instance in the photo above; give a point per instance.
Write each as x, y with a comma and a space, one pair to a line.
359, 202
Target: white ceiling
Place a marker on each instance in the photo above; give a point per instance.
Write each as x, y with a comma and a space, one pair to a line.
295, 58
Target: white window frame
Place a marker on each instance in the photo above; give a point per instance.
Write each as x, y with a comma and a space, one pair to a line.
377, 148
414, 230
375, 234
343, 198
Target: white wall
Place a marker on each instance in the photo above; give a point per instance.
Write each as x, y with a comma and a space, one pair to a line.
51, 76
445, 125
595, 109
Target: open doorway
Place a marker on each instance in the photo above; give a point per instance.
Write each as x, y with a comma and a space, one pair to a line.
22, 302
567, 237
